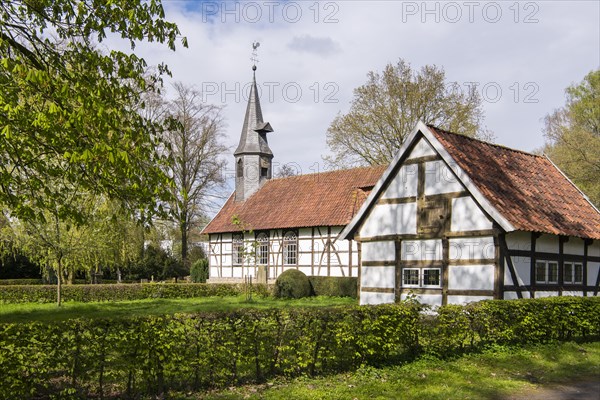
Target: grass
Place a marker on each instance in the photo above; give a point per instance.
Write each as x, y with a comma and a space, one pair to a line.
50, 312
491, 375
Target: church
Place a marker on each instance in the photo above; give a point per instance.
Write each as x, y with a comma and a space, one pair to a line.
451, 220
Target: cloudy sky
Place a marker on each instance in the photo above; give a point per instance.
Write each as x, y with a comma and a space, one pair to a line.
521, 55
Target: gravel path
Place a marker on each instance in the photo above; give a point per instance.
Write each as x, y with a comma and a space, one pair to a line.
587, 390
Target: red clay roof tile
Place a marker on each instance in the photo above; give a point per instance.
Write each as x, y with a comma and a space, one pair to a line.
323, 199
528, 190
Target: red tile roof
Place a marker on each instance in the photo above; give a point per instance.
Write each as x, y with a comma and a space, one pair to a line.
528, 190
323, 199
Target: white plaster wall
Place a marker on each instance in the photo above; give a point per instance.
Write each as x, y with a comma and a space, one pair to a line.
379, 251
305, 270
376, 298
379, 277
513, 295
404, 184
572, 293
467, 299
574, 246
522, 269
473, 248
390, 219
547, 244
593, 268
429, 299
417, 250
214, 272
440, 179
594, 249
518, 240
421, 149
466, 216
539, 295
471, 277
239, 272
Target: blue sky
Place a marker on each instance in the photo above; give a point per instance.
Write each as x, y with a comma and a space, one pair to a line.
520, 55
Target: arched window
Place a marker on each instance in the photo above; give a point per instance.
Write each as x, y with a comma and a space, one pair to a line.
290, 248
262, 249
238, 249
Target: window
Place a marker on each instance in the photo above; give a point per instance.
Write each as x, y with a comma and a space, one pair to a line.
262, 249
426, 277
546, 272
573, 273
238, 249
240, 168
431, 277
264, 172
290, 248
410, 277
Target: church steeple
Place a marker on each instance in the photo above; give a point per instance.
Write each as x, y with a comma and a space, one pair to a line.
253, 157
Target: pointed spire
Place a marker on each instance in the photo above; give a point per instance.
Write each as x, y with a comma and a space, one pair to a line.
253, 138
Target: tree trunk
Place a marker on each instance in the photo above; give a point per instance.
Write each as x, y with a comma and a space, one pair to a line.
184, 241
59, 283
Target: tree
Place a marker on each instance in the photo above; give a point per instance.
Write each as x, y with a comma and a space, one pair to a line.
387, 107
195, 150
68, 110
573, 135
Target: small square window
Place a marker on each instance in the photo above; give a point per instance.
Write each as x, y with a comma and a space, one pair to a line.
431, 277
540, 272
552, 272
410, 277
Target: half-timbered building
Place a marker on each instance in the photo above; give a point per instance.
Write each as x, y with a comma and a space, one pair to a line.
456, 220
276, 224
451, 220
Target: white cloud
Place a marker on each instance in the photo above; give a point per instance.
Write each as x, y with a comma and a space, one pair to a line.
325, 49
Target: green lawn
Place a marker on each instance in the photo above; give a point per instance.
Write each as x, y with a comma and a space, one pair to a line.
491, 375
50, 312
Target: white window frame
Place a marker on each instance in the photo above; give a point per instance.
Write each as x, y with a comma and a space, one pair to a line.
237, 249
290, 248
262, 249
570, 280
404, 284
546, 265
421, 278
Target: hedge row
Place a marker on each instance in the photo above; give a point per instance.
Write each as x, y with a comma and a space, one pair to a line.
334, 286
129, 358
112, 292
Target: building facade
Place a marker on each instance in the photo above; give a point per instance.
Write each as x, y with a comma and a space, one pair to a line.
455, 220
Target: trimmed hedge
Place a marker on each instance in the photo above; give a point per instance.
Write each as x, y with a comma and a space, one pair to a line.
115, 292
21, 281
334, 286
292, 284
133, 357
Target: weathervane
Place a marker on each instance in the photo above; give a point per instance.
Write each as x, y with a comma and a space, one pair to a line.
254, 57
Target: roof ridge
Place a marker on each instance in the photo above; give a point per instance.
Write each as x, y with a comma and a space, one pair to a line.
328, 172
503, 147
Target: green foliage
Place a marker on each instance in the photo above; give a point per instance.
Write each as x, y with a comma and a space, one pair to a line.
155, 263
114, 292
199, 271
573, 135
292, 284
387, 107
153, 354
333, 286
70, 120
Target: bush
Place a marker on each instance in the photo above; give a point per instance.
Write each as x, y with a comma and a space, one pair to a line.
115, 292
333, 286
143, 357
199, 271
292, 284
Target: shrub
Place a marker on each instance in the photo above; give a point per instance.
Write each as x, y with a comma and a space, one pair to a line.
334, 286
115, 292
199, 271
292, 284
